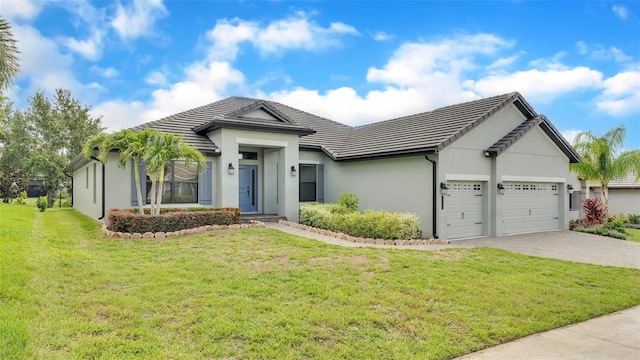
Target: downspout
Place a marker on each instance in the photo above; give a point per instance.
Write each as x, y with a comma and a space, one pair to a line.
103, 191
434, 192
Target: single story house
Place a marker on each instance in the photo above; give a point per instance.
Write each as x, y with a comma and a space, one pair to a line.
489, 167
624, 194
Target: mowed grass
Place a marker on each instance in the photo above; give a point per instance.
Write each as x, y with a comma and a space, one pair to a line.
634, 234
67, 292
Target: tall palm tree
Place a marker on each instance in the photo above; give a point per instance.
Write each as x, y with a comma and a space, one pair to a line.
132, 146
161, 151
603, 159
9, 61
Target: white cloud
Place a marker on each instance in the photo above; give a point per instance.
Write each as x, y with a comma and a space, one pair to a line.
382, 36
21, 9
138, 19
90, 48
297, 31
423, 64
156, 78
108, 73
204, 83
621, 94
570, 135
612, 53
541, 85
583, 48
621, 11
503, 62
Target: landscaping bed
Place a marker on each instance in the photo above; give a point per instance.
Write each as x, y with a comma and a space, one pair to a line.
170, 220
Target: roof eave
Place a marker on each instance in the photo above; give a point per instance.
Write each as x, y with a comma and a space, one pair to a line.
222, 124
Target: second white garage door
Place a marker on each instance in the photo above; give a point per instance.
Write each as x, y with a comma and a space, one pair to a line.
530, 207
463, 208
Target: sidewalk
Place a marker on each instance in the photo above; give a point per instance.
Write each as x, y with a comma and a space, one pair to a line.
613, 336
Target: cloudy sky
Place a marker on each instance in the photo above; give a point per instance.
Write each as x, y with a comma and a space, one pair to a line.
578, 62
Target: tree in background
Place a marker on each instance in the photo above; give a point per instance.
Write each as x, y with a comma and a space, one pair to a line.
60, 127
16, 155
603, 159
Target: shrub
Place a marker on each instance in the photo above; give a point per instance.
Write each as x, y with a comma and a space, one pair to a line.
368, 224
634, 219
576, 223
42, 204
602, 231
594, 212
171, 220
623, 218
349, 201
21, 199
235, 211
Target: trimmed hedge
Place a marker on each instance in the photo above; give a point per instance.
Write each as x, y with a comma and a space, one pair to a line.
367, 224
170, 219
602, 231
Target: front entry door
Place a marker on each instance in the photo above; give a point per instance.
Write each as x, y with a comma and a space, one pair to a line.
248, 188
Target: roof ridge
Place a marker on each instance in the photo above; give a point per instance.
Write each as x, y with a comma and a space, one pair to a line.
508, 95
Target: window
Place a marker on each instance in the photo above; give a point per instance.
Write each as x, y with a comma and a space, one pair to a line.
476, 187
180, 183
308, 182
87, 178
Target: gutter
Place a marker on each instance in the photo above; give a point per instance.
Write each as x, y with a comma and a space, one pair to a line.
434, 205
103, 191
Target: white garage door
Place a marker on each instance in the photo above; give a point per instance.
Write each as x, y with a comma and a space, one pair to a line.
463, 209
530, 207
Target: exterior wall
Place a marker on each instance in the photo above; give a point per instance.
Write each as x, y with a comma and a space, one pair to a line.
621, 201
85, 185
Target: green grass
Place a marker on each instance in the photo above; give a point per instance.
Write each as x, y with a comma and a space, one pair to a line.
634, 234
67, 292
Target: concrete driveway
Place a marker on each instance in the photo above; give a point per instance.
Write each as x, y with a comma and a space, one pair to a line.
565, 245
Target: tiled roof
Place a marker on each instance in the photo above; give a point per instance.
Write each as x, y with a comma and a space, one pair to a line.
629, 181
513, 136
416, 133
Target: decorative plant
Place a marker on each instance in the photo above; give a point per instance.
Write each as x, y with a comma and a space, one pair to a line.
349, 200
594, 212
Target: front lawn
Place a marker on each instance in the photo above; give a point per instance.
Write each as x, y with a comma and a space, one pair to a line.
634, 234
67, 292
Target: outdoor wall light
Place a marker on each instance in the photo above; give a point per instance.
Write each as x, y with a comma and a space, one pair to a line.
570, 188
294, 172
501, 188
444, 189
231, 169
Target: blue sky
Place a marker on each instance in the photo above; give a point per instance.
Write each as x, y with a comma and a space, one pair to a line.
577, 62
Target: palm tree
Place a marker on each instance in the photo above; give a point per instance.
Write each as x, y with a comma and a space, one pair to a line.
603, 159
9, 65
161, 151
132, 146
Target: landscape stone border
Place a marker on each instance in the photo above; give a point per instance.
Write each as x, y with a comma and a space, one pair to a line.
163, 235
361, 240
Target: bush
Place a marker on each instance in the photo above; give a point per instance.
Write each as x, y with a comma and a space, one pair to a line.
633, 219
235, 211
602, 231
42, 204
368, 224
21, 199
171, 220
349, 201
594, 212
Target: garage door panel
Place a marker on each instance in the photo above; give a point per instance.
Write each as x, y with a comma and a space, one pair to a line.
464, 210
530, 207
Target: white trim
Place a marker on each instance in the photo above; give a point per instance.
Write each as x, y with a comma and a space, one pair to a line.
260, 142
533, 179
466, 177
309, 162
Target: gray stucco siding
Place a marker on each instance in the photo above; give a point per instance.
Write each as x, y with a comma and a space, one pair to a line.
87, 186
